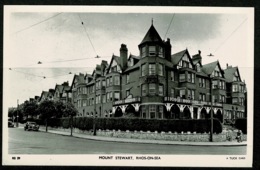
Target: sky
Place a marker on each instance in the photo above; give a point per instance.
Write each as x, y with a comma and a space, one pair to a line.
50, 37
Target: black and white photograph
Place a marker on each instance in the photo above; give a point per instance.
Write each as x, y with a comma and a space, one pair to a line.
128, 86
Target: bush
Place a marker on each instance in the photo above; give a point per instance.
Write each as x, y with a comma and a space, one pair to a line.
85, 123
241, 124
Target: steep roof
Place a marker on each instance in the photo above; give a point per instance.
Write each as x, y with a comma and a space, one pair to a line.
151, 36
134, 56
209, 68
117, 59
177, 56
66, 88
229, 73
59, 88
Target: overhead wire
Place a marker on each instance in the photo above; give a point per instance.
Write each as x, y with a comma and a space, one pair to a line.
82, 23
37, 23
231, 34
169, 26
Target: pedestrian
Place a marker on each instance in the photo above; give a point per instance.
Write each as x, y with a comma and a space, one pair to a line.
239, 136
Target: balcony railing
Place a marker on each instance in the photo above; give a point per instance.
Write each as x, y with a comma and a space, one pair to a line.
189, 101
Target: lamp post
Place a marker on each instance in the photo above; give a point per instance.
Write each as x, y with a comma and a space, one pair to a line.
17, 113
211, 112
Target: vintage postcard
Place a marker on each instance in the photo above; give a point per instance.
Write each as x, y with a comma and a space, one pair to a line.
128, 86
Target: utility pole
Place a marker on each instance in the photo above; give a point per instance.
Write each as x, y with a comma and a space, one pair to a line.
17, 113
94, 122
211, 111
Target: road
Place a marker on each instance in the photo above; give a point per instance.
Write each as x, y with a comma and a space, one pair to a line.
29, 142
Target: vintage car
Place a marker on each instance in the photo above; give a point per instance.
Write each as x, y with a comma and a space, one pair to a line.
31, 126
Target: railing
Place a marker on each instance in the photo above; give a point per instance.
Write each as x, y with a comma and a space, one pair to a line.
189, 101
125, 101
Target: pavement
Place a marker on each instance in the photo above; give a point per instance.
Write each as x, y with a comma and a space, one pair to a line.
145, 141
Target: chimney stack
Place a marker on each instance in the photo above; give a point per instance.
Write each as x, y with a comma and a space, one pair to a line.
123, 56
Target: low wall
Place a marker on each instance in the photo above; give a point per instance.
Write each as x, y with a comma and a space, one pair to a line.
172, 136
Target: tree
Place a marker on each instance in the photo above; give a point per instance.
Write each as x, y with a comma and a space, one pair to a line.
46, 110
60, 108
71, 111
30, 109
11, 112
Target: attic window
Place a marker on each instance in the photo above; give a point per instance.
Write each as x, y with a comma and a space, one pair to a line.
152, 51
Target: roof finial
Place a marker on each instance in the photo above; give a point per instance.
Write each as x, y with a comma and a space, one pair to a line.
152, 21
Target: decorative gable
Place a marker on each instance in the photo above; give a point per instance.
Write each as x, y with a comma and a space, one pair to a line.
217, 72
114, 67
236, 76
185, 62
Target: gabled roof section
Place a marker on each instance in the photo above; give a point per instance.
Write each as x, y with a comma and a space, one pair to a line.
59, 88
230, 72
44, 95
79, 78
151, 36
177, 57
117, 60
209, 68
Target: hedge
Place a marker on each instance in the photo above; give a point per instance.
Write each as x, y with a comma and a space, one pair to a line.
166, 125
241, 124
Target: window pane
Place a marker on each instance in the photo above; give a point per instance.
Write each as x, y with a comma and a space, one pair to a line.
172, 92
117, 81
151, 50
143, 70
152, 89
172, 75
182, 77
151, 69
160, 70
127, 78
144, 90
143, 52
160, 90
160, 52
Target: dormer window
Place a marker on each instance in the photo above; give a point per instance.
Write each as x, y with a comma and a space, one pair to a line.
152, 50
